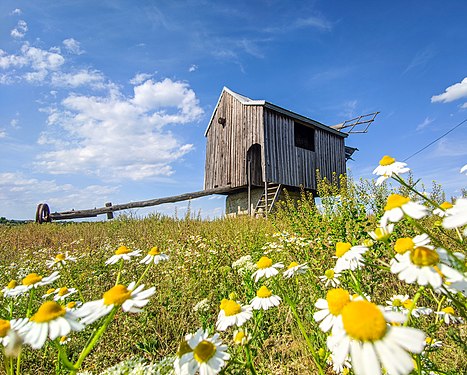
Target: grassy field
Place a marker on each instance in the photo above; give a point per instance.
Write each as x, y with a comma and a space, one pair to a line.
286, 339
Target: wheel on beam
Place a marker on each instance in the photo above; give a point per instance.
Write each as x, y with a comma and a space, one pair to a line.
43, 213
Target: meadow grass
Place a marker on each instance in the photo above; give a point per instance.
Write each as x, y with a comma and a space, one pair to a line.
202, 254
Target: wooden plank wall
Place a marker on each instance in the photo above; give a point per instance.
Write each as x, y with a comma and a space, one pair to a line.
294, 166
226, 146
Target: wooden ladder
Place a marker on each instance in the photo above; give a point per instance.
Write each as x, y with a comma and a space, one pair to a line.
268, 198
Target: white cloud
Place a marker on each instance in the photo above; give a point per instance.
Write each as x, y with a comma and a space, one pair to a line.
20, 30
2, 133
452, 93
120, 137
192, 68
83, 77
73, 46
316, 21
140, 78
425, 123
17, 11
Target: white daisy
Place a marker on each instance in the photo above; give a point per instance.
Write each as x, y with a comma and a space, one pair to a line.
407, 244
387, 167
51, 320
330, 278
265, 299
33, 281
124, 253
340, 369
382, 233
50, 292
422, 265
7, 326
457, 286
154, 256
241, 336
266, 268
432, 344
9, 290
208, 354
448, 315
456, 216
349, 257
62, 293
60, 260
362, 331
397, 206
232, 313
130, 299
330, 308
397, 303
295, 269
64, 340
441, 210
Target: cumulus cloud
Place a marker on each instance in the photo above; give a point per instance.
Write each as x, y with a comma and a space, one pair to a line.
20, 30
452, 93
140, 78
73, 46
16, 11
2, 133
192, 68
83, 77
120, 137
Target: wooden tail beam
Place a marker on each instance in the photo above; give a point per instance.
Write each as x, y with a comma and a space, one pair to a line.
43, 213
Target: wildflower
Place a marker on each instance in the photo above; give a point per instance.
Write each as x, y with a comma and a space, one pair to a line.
330, 308
7, 326
154, 256
266, 268
131, 299
348, 256
244, 265
396, 303
33, 281
241, 337
448, 316
265, 299
456, 216
362, 331
406, 244
62, 293
295, 269
342, 369
432, 344
50, 320
8, 291
422, 265
397, 206
330, 277
49, 292
208, 354
124, 253
73, 305
183, 348
232, 313
382, 233
202, 306
60, 260
441, 211
64, 340
387, 167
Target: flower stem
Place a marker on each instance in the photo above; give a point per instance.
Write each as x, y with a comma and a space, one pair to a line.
144, 274
119, 272
249, 361
72, 283
414, 303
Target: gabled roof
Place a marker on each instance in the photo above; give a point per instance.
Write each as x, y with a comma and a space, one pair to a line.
247, 101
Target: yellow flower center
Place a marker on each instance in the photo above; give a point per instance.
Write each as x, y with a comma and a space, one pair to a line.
381, 234
264, 262
63, 291
264, 292
122, 250
337, 299
386, 160
446, 205
407, 304
240, 335
71, 305
329, 274
31, 279
403, 245
63, 339
364, 321
60, 258
4, 327
223, 303
183, 348
292, 265
395, 201
116, 295
12, 284
397, 302
423, 257
342, 248
448, 310
50, 291
49, 310
204, 351
231, 308
154, 251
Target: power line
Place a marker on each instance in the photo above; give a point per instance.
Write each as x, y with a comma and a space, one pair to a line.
436, 140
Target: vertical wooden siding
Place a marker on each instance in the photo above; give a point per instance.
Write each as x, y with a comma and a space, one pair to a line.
226, 146
294, 166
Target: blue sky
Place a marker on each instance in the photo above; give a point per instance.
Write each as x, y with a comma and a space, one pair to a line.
108, 101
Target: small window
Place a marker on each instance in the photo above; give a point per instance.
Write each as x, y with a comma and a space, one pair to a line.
304, 136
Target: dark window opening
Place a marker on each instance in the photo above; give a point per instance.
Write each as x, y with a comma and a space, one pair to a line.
304, 136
